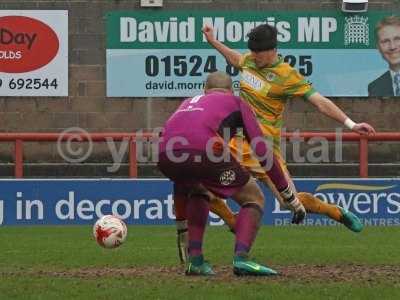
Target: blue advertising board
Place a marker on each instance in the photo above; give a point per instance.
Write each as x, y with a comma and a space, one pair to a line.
149, 202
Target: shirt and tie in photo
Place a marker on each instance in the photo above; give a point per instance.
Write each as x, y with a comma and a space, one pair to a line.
387, 85
396, 82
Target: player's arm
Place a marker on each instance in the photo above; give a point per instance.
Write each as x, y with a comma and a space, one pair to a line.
328, 108
232, 56
269, 162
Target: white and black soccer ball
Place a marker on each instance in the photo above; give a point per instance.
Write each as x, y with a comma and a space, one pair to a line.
110, 231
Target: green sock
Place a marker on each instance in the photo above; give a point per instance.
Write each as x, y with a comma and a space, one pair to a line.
196, 260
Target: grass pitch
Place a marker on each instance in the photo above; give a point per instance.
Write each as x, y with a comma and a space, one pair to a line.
315, 263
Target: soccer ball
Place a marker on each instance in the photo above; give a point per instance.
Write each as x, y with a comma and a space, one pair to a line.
110, 231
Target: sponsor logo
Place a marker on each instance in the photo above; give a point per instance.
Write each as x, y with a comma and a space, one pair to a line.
253, 266
26, 44
190, 108
251, 80
361, 198
227, 177
354, 187
270, 76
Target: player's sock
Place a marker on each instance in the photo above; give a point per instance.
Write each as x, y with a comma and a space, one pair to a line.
314, 205
197, 210
182, 240
181, 226
180, 206
219, 207
247, 225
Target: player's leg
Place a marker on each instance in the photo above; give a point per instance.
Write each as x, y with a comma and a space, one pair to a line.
335, 212
230, 179
311, 203
315, 205
251, 200
197, 210
191, 205
216, 205
180, 200
219, 207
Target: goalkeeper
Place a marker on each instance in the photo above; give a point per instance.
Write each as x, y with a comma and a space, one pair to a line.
193, 155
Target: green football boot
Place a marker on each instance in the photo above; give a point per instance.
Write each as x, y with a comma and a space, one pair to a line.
245, 267
197, 266
350, 220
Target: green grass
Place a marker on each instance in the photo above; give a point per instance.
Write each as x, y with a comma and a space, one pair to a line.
29, 254
131, 288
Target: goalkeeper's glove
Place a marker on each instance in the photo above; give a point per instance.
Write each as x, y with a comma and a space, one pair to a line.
182, 240
294, 204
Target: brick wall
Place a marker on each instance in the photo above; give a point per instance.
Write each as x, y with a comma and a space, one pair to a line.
87, 107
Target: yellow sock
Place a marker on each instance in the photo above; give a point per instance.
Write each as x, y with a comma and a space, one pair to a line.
314, 205
219, 207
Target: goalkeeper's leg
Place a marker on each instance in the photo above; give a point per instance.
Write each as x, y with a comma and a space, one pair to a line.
197, 210
217, 206
180, 198
251, 200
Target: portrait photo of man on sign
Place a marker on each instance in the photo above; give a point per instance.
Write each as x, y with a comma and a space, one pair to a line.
387, 33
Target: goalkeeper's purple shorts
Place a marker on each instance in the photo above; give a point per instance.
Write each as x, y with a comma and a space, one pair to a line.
223, 178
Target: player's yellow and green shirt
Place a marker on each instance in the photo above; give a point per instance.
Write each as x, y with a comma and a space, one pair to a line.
268, 89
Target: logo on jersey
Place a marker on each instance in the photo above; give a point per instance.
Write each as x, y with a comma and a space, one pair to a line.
227, 177
270, 76
190, 108
252, 80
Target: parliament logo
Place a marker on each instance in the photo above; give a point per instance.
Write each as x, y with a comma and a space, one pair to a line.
356, 30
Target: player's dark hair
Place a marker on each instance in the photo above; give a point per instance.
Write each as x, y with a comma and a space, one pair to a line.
262, 38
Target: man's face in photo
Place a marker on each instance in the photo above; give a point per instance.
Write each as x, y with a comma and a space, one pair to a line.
389, 45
